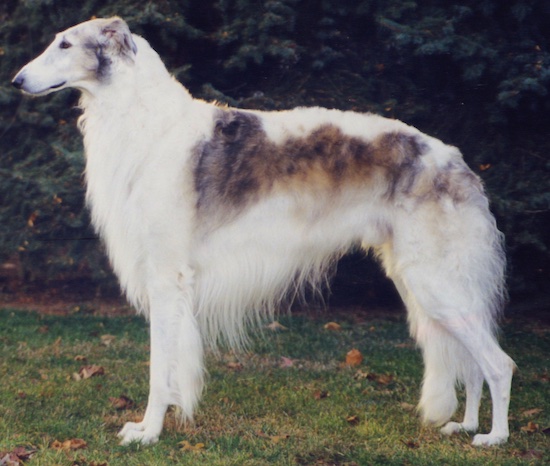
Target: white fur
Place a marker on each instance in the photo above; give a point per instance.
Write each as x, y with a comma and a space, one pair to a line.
201, 277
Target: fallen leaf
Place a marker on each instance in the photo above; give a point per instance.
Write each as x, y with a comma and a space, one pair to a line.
186, 446
530, 428
321, 394
333, 327
384, 379
278, 438
86, 372
352, 420
9, 459
17, 456
276, 327
286, 362
528, 454
407, 406
107, 339
273, 438
122, 402
531, 412
235, 366
24, 453
32, 218
354, 358
72, 444
360, 375
411, 444
79, 357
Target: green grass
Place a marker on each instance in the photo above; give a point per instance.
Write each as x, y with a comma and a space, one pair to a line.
255, 412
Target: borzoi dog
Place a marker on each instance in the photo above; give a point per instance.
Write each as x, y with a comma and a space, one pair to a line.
210, 215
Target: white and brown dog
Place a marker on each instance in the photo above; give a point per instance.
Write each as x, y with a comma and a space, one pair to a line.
212, 215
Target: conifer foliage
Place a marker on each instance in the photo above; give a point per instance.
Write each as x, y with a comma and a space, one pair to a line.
475, 73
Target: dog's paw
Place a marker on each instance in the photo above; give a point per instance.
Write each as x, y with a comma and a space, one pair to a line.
456, 427
137, 432
488, 440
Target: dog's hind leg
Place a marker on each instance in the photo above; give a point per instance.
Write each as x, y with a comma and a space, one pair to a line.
438, 401
472, 378
176, 363
467, 331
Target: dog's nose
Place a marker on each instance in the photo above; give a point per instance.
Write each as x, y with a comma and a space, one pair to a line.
18, 82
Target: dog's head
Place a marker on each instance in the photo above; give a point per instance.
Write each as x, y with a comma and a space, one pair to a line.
80, 57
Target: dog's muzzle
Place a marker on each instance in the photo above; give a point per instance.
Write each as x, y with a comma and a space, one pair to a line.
19, 83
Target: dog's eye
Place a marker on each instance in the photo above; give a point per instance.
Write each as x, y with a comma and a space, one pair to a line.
65, 45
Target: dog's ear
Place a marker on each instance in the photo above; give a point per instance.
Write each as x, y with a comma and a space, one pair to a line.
117, 35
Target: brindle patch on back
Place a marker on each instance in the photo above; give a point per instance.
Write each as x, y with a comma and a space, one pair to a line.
239, 163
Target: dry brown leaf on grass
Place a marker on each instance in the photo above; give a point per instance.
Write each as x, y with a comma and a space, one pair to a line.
320, 394
382, 379
528, 454
412, 444
17, 456
333, 327
354, 358
235, 366
530, 428
407, 406
186, 446
86, 372
286, 362
67, 445
273, 438
122, 402
9, 459
352, 420
531, 412
107, 339
360, 375
276, 327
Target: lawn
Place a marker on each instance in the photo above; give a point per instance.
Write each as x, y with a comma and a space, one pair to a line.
68, 383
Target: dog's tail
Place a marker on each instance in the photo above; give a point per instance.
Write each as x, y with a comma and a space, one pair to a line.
454, 288
474, 294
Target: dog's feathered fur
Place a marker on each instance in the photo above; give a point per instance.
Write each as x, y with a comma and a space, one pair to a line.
211, 215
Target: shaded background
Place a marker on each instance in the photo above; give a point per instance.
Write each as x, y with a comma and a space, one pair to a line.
474, 73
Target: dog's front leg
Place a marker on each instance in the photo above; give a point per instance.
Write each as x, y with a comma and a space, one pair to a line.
148, 430
176, 365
